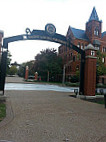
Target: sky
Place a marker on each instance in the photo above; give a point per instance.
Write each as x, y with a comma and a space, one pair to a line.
17, 15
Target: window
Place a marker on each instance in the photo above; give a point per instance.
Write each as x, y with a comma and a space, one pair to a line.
69, 57
70, 68
97, 47
104, 49
92, 53
85, 45
96, 31
78, 45
59, 50
73, 58
77, 67
82, 46
103, 60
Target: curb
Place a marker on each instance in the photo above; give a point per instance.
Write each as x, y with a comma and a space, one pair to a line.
9, 114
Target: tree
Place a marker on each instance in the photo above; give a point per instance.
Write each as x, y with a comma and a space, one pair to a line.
8, 61
75, 78
13, 70
46, 62
101, 69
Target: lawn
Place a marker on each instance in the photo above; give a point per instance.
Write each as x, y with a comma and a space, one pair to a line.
2, 111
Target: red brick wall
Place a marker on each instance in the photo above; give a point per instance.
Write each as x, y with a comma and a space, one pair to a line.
90, 77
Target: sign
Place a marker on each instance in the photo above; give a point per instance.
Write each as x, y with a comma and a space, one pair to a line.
48, 38
50, 29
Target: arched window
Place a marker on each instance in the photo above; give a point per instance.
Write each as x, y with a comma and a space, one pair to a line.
96, 31
74, 58
77, 67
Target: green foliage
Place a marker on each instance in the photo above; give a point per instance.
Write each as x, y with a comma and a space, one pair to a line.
101, 85
13, 70
72, 84
8, 61
48, 61
101, 69
75, 78
21, 71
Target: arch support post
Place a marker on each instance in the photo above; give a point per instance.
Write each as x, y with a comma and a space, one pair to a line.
3, 70
26, 73
81, 89
90, 71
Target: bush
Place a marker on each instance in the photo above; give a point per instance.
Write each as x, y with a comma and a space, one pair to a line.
74, 79
72, 84
13, 70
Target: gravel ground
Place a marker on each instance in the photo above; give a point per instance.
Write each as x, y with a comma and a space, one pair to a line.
48, 116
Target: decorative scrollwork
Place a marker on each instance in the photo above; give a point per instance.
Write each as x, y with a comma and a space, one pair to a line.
28, 31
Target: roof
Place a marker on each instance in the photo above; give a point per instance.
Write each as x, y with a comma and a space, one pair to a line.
94, 15
96, 42
79, 34
104, 33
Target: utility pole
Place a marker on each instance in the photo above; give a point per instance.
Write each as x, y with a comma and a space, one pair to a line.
48, 76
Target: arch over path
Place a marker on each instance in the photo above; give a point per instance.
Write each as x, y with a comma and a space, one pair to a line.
49, 34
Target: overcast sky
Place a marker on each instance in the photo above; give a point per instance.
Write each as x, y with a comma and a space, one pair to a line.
17, 15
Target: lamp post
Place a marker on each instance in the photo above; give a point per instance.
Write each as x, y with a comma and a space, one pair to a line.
64, 67
103, 93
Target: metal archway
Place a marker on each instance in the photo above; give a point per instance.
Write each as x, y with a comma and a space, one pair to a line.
49, 34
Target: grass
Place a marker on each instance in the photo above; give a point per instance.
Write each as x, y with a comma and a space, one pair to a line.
100, 102
2, 111
97, 100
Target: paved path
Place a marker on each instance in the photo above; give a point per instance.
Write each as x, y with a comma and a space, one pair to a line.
14, 80
48, 116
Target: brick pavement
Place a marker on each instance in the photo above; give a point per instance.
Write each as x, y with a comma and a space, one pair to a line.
48, 116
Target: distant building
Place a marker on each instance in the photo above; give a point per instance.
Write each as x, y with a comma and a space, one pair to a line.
81, 38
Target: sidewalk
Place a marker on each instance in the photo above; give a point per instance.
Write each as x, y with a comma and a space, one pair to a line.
48, 116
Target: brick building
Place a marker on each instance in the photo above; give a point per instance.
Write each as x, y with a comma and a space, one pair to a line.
81, 38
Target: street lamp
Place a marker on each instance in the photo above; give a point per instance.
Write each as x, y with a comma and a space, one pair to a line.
76, 91
65, 65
